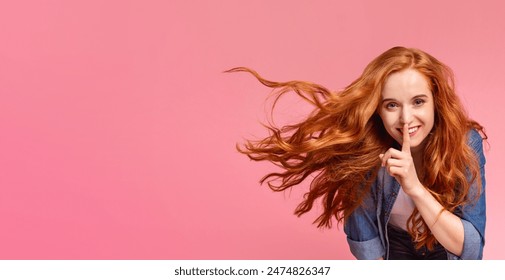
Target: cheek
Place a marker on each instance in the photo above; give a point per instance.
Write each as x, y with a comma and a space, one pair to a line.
388, 119
428, 116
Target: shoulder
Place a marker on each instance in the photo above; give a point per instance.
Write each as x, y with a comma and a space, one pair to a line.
474, 141
474, 136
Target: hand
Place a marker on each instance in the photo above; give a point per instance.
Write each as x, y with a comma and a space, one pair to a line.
400, 165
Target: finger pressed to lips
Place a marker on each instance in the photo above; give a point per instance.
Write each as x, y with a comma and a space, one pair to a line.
406, 139
392, 153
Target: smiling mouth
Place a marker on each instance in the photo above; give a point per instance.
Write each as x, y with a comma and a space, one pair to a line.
411, 129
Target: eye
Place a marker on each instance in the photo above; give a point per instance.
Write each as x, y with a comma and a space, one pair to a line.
419, 102
391, 105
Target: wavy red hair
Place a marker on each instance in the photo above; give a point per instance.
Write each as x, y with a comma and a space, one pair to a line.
340, 141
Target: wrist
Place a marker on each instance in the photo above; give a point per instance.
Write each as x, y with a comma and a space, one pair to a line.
416, 192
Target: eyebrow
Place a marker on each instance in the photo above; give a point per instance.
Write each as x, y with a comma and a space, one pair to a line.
417, 96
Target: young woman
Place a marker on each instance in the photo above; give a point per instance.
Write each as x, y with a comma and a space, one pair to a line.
395, 158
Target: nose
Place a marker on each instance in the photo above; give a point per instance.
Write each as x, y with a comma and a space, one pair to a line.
406, 116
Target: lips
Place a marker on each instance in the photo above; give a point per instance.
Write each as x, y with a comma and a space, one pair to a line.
412, 130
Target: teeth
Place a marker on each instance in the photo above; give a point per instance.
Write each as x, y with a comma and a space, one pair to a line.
411, 130
414, 129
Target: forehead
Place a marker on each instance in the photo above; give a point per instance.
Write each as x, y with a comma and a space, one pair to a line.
405, 83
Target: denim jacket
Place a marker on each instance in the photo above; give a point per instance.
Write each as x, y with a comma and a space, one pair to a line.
366, 227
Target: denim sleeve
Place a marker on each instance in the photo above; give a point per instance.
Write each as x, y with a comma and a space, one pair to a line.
473, 215
361, 228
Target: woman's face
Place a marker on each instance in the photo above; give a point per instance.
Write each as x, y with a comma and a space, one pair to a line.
407, 98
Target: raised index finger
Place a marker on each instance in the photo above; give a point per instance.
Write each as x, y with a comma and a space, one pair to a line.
406, 139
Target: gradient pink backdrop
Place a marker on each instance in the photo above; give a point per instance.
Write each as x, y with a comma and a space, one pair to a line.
118, 127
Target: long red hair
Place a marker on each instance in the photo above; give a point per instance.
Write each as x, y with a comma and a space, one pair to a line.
340, 141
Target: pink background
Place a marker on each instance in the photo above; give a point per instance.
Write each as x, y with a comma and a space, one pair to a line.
118, 127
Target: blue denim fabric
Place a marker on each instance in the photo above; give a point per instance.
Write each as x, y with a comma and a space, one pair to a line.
366, 228
401, 247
